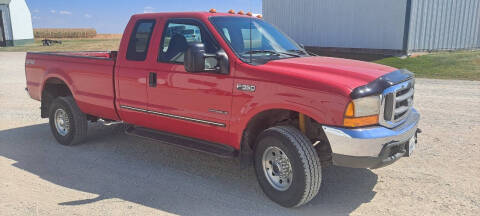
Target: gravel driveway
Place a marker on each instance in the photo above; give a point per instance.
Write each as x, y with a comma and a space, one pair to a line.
115, 174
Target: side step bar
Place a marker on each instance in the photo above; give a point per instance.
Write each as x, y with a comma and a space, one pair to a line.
219, 150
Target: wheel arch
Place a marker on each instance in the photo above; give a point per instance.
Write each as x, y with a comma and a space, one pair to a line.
266, 118
53, 87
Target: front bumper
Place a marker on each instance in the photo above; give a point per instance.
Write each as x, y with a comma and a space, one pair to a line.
371, 147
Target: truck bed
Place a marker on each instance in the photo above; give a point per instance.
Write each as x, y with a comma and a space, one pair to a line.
89, 75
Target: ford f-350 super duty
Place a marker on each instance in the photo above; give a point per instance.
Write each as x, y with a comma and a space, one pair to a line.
234, 86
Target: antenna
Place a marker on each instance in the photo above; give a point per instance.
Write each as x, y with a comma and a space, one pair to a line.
251, 44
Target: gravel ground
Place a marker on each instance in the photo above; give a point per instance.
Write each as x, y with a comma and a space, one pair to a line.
115, 174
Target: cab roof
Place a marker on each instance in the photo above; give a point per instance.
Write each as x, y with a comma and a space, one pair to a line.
187, 15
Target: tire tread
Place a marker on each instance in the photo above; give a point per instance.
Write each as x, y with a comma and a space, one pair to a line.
79, 118
309, 158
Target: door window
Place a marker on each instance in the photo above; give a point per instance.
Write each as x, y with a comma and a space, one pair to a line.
176, 38
140, 40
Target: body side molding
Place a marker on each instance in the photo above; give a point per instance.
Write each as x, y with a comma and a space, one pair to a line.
174, 116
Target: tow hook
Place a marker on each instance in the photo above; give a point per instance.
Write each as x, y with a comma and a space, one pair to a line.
419, 131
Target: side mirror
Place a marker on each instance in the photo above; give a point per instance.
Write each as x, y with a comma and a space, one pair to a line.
194, 59
197, 61
223, 62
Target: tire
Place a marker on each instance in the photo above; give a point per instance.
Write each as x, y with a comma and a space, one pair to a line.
304, 165
74, 121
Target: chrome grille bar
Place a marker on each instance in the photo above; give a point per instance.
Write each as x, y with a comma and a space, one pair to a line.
401, 110
396, 103
403, 97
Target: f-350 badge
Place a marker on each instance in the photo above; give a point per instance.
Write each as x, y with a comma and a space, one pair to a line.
245, 87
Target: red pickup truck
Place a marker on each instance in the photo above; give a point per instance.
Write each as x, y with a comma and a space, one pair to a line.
234, 86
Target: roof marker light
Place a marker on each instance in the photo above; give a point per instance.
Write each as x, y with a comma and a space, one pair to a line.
213, 10
231, 11
259, 16
249, 14
241, 12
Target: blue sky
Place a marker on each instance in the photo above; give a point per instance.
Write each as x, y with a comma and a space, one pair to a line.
112, 16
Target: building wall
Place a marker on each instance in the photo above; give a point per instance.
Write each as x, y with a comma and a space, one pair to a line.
368, 24
21, 20
6, 22
444, 25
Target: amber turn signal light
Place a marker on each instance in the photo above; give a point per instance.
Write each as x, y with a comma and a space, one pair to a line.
350, 120
350, 111
360, 121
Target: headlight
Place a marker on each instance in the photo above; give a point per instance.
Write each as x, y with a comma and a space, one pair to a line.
362, 112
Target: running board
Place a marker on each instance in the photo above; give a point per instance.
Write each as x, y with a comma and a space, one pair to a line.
219, 150
109, 123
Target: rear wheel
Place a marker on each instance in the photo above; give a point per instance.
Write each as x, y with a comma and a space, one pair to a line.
287, 166
67, 122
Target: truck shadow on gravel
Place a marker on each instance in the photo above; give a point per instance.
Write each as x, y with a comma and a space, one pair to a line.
114, 165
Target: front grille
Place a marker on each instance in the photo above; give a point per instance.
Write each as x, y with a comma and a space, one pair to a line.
398, 101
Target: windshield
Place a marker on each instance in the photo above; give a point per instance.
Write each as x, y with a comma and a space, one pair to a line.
254, 40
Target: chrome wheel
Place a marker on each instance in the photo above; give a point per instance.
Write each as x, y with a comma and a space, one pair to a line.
277, 168
62, 122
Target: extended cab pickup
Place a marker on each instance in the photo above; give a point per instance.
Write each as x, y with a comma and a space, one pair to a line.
234, 86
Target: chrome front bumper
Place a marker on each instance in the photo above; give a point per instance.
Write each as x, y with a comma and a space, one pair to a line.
371, 147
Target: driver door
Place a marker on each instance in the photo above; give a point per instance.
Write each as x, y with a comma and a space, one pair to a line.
190, 104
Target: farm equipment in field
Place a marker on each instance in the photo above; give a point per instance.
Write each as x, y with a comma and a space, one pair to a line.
48, 42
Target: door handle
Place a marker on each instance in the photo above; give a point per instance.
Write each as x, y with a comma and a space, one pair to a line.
152, 79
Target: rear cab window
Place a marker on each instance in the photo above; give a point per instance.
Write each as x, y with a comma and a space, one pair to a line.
140, 40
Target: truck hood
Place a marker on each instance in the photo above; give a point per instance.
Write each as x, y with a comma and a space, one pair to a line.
343, 73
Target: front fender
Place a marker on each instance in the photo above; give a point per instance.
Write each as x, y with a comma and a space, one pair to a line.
323, 107
317, 115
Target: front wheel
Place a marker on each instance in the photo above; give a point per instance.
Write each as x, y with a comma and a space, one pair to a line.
287, 166
67, 122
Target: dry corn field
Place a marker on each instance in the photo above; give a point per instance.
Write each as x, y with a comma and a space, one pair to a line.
65, 33
108, 36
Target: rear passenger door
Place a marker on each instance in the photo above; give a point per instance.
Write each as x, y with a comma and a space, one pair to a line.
132, 74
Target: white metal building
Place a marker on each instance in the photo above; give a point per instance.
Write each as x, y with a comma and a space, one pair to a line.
15, 23
385, 26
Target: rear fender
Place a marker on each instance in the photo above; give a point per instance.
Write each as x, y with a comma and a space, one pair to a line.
61, 75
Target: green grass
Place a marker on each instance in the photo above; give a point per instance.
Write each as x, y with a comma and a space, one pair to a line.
463, 65
68, 45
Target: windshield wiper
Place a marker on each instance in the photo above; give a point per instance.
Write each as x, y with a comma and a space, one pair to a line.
261, 51
299, 51
290, 54
272, 52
